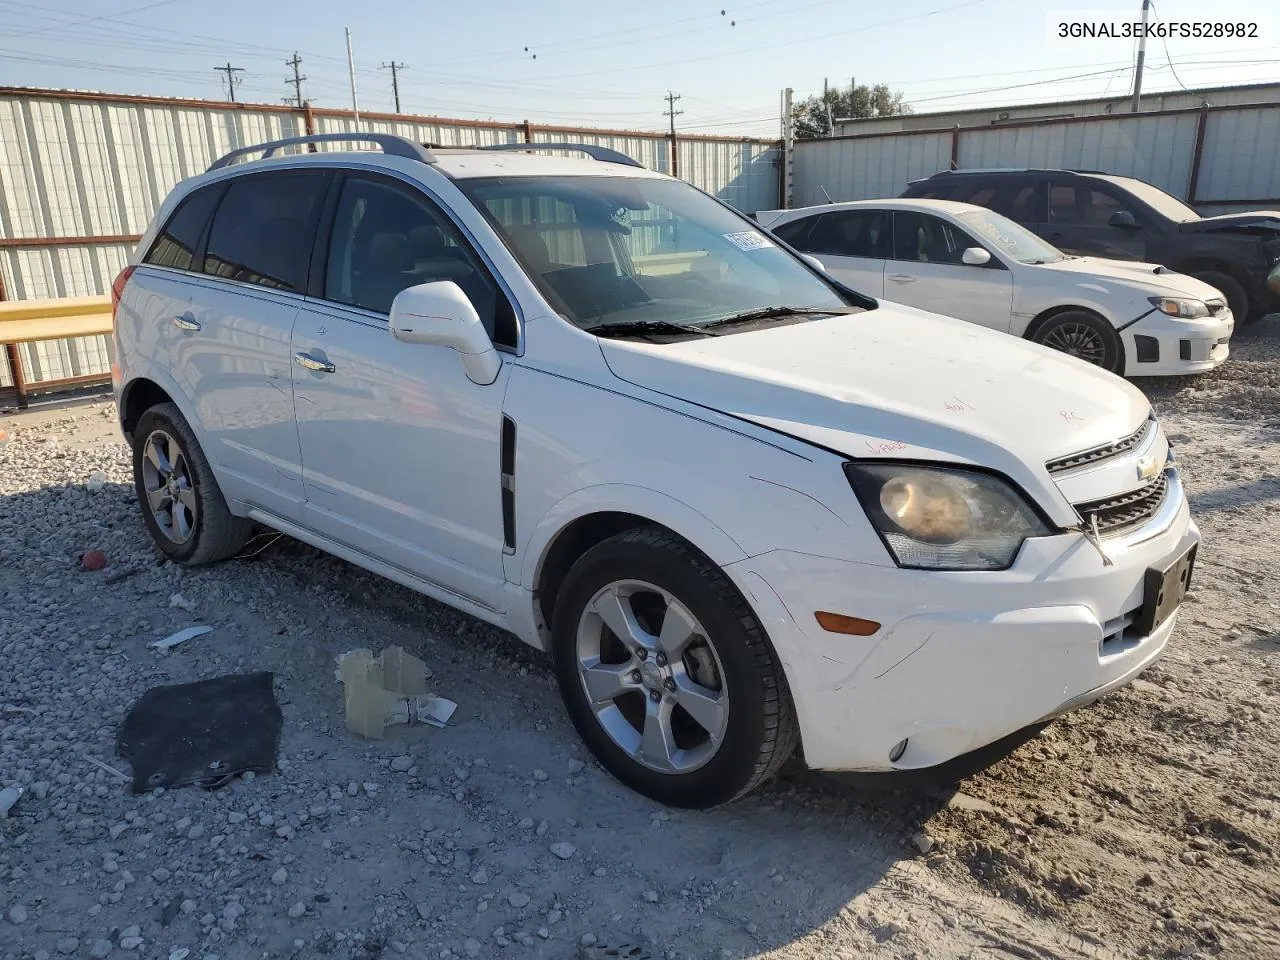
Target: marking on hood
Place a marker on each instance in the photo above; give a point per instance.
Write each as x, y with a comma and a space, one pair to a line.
1070, 416
888, 446
956, 405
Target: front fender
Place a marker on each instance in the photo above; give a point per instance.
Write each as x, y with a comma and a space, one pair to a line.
652, 504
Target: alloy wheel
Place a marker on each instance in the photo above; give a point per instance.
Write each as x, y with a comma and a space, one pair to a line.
167, 484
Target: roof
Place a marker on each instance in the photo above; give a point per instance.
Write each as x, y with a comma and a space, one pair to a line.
458, 162
766, 217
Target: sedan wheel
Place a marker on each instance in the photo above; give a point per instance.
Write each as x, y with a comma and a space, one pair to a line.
166, 481
1078, 333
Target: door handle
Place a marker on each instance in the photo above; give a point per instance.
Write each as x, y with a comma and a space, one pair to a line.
311, 363
185, 322
901, 278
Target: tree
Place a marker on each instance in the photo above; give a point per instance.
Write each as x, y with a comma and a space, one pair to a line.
811, 117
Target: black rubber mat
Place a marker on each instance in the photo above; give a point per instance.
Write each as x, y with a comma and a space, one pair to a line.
202, 733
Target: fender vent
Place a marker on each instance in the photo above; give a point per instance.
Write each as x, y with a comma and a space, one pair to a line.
508, 466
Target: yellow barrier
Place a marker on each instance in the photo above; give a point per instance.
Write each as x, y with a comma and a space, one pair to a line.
27, 321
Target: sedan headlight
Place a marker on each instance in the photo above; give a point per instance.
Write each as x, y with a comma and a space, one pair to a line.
1180, 307
942, 518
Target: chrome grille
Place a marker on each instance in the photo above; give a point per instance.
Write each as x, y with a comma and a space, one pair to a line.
1104, 452
1128, 510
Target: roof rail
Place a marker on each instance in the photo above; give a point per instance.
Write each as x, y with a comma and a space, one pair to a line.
391, 145
603, 154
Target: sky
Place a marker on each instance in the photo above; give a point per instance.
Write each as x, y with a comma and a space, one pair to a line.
610, 63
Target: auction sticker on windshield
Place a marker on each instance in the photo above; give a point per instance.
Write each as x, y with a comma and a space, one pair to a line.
749, 240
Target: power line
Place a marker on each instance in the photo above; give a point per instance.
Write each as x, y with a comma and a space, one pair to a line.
295, 61
395, 79
232, 79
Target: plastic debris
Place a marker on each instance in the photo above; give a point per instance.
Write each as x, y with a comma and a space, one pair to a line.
97, 480
179, 602
8, 797
182, 636
93, 560
387, 690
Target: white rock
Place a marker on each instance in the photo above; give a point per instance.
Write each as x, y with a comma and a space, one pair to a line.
540, 775
563, 850
651, 896
480, 877
17, 914
297, 910
130, 943
518, 900
922, 842
280, 876
100, 949
471, 947
401, 763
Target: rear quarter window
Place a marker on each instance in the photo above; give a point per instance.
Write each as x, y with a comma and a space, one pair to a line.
176, 244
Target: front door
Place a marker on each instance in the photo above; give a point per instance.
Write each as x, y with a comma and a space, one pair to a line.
1082, 221
928, 271
401, 450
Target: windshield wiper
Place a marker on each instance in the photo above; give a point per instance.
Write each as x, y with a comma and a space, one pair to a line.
769, 313
625, 327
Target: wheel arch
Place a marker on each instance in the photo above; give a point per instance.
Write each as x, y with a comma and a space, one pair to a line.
136, 398
586, 518
1044, 316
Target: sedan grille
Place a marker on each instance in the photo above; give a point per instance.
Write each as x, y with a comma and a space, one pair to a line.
1104, 452
1117, 514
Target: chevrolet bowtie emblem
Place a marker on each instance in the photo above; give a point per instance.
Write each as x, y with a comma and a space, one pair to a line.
1147, 468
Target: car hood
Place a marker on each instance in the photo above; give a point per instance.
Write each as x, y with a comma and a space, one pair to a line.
1252, 221
896, 382
1149, 277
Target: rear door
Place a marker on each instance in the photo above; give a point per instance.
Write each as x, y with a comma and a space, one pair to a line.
234, 361
1080, 221
852, 244
927, 271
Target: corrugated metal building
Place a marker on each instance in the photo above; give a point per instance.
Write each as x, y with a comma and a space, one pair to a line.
82, 173
1215, 157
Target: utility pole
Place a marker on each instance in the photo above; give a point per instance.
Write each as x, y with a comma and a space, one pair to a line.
1142, 55
395, 79
232, 79
297, 79
351, 70
788, 148
826, 105
671, 112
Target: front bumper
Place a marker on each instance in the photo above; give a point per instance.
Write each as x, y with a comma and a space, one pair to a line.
961, 659
1160, 345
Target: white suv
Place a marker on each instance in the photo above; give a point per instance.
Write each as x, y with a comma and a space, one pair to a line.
743, 506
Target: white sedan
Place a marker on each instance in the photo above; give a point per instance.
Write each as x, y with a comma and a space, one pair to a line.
965, 261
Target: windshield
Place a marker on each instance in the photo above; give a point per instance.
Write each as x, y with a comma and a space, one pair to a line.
621, 250
1011, 239
1156, 199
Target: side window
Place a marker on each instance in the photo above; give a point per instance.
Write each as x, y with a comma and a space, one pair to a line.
1082, 205
1023, 202
851, 233
796, 232
176, 243
387, 238
264, 227
925, 239
976, 190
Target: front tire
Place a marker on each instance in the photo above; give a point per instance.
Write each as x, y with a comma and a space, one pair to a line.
182, 506
1081, 334
667, 674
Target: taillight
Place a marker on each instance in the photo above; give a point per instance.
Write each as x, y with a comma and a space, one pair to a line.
117, 290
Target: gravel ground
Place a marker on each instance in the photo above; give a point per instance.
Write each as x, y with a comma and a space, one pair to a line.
1147, 825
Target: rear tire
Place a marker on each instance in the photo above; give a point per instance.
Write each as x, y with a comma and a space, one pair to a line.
182, 506
1230, 288
1085, 335
697, 729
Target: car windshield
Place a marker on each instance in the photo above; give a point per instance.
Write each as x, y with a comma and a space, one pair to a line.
1011, 239
1156, 199
648, 251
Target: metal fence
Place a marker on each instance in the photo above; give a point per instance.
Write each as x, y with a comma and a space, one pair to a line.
82, 173
1216, 158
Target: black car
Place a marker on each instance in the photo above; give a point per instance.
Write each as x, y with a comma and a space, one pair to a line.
1095, 214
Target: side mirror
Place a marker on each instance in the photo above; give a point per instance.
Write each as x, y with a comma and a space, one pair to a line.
440, 314
814, 261
975, 257
1123, 219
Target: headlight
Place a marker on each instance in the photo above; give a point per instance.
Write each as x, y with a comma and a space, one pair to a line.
1178, 307
1273, 279
942, 518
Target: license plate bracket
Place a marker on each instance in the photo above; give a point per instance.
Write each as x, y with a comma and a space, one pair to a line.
1163, 592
